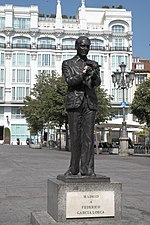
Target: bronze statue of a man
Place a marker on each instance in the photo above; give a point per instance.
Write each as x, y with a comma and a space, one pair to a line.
82, 76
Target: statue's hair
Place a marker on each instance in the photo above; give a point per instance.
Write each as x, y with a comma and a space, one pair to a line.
78, 40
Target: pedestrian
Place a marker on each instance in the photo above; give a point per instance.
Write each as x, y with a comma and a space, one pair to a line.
82, 77
18, 141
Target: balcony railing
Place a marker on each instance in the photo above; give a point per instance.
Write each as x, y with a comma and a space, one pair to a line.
119, 48
46, 46
21, 46
98, 48
68, 47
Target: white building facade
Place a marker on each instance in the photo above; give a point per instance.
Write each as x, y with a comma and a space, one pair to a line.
30, 44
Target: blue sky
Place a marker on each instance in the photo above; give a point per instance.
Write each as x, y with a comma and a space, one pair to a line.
140, 13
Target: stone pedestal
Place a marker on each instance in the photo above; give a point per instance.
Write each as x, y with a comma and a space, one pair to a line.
93, 200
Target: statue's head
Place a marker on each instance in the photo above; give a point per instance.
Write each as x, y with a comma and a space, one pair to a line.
82, 45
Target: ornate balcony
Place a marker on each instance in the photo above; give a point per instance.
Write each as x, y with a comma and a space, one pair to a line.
68, 47
46, 46
126, 49
97, 48
21, 46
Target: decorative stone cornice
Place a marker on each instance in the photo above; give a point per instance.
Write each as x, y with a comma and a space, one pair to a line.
8, 32
59, 33
34, 33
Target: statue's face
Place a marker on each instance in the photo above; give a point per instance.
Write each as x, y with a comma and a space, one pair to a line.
83, 47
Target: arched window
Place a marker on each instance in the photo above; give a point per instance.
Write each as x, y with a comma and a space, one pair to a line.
21, 42
97, 44
118, 29
68, 43
45, 42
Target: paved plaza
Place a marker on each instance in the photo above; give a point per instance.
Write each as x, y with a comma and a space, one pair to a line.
24, 173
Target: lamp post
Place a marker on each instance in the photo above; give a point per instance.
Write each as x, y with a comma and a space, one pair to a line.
123, 80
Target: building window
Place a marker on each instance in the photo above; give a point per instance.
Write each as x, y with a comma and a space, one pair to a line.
2, 112
19, 131
21, 42
2, 22
139, 79
2, 76
118, 59
139, 66
118, 44
2, 39
46, 60
48, 43
98, 58
135, 60
20, 59
118, 29
119, 113
20, 76
16, 113
68, 43
21, 23
1, 94
1, 58
117, 95
19, 93
97, 44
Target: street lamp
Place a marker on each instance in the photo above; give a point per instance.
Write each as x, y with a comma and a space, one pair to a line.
123, 80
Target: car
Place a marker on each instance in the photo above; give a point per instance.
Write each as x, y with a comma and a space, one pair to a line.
114, 149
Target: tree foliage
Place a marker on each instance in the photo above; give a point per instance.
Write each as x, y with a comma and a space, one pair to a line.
33, 114
104, 111
46, 102
141, 103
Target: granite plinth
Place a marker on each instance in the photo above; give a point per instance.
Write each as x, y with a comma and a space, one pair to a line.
81, 200
57, 200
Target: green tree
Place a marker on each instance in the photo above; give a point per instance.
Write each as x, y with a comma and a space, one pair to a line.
33, 114
104, 111
141, 103
53, 15
105, 7
64, 16
119, 7
45, 105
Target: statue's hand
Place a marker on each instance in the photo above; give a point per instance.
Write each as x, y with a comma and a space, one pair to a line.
87, 71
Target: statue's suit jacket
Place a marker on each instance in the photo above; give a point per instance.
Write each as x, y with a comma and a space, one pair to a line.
78, 85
